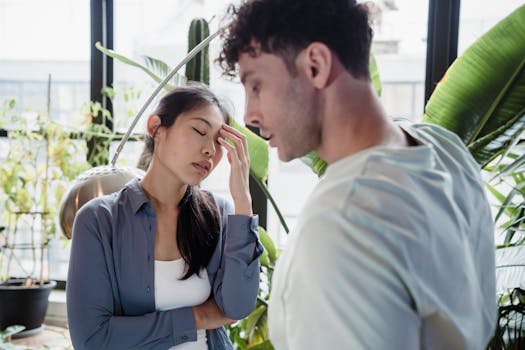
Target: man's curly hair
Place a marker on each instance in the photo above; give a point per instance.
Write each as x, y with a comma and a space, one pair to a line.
285, 27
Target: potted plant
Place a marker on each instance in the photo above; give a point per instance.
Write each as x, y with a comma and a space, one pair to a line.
40, 160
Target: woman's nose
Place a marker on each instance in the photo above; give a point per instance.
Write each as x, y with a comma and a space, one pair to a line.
209, 149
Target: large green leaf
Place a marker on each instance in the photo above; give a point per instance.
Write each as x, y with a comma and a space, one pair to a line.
374, 75
482, 96
257, 149
149, 60
269, 246
265, 345
253, 320
161, 69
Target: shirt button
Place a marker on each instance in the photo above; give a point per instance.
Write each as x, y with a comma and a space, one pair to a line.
184, 337
147, 290
149, 257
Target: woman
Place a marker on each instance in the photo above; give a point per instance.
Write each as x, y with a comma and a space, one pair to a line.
162, 264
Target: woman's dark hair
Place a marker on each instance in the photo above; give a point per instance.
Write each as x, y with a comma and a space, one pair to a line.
199, 221
285, 27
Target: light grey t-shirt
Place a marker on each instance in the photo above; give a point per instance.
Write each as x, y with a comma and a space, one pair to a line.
394, 249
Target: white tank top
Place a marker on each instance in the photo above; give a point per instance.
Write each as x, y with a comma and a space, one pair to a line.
171, 293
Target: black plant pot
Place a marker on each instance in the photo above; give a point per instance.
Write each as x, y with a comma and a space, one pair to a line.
25, 306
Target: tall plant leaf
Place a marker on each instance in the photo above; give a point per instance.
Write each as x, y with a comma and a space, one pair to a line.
257, 149
161, 69
133, 63
253, 319
269, 246
510, 268
157, 66
482, 96
374, 75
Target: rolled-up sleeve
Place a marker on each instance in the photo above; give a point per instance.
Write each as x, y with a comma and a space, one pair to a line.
92, 307
237, 283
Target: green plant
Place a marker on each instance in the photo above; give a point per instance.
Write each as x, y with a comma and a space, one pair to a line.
5, 338
482, 99
198, 69
507, 186
41, 159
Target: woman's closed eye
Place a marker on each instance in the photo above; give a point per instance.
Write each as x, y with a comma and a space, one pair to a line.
199, 132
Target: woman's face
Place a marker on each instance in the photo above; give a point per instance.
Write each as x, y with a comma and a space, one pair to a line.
189, 149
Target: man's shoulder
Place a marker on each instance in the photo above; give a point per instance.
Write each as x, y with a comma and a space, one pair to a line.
435, 135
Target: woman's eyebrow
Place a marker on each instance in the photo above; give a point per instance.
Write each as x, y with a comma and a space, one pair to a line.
203, 120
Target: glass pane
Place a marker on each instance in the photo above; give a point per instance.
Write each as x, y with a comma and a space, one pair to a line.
36, 46
399, 46
44, 40
159, 29
477, 17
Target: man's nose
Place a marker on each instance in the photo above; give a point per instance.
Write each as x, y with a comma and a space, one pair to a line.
252, 115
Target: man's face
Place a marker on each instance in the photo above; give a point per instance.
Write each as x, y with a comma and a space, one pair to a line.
282, 106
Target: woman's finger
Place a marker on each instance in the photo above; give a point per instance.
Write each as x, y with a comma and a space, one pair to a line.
230, 148
239, 140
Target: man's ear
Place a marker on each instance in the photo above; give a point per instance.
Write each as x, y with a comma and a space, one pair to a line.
153, 125
318, 63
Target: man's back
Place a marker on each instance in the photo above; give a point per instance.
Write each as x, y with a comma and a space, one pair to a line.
394, 249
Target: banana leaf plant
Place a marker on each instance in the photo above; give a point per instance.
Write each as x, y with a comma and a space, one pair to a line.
482, 96
482, 99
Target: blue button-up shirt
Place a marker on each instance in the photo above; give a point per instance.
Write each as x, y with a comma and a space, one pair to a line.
110, 295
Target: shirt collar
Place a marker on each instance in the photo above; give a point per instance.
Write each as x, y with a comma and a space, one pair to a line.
136, 196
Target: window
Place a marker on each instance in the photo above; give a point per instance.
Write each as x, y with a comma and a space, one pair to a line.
477, 17
35, 47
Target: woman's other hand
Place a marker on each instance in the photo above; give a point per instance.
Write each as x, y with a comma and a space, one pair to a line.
209, 316
240, 168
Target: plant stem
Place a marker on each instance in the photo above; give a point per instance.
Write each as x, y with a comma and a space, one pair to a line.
263, 188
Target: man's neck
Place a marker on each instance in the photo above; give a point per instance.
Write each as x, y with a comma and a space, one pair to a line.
354, 120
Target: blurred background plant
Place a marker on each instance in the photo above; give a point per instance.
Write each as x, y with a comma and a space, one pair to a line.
42, 158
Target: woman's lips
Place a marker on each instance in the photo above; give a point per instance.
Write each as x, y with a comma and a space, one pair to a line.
202, 168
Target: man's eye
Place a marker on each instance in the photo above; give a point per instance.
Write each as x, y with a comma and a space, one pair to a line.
255, 88
200, 133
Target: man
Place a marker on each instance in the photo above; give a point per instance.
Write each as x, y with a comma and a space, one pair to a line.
394, 248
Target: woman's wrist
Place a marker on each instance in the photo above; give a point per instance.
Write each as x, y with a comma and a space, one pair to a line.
243, 206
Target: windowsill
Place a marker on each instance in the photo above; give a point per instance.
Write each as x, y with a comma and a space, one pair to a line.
56, 310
